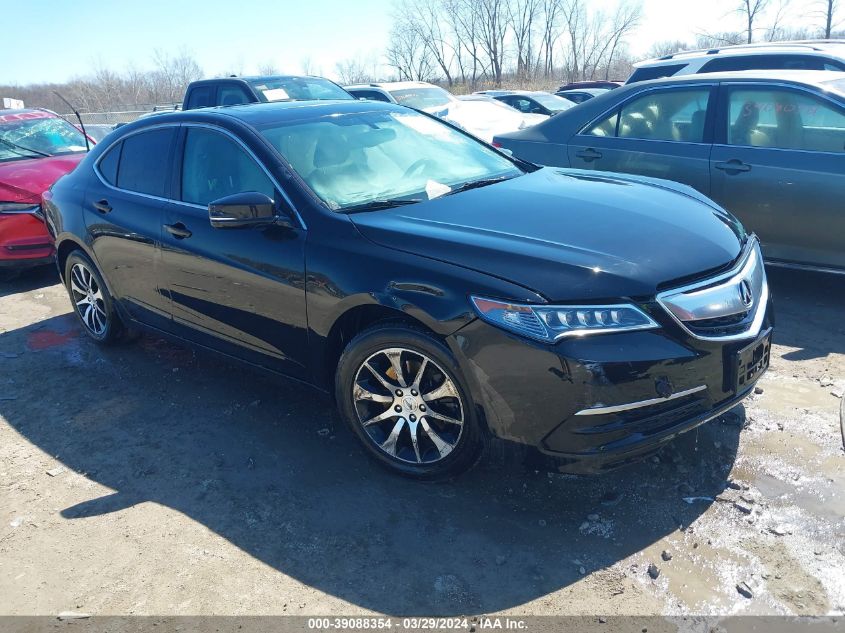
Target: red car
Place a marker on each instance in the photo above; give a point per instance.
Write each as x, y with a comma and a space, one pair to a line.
36, 148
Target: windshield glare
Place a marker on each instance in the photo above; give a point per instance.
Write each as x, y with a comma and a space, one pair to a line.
552, 102
298, 89
38, 131
422, 98
353, 159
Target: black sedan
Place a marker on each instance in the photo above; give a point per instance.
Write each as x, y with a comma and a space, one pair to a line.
769, 146
440, 290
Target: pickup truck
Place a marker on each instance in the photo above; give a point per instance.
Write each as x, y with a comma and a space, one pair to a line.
228, 91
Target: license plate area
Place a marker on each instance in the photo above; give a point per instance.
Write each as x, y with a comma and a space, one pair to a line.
751, 361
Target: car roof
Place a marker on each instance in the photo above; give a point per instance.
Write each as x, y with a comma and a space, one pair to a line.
251, 78
804, 47
811, 77
393, 85
589, 91
257, 114
17, 111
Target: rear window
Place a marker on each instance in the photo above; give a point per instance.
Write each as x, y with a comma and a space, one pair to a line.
654, 72
144, 160
201, 97
108, 164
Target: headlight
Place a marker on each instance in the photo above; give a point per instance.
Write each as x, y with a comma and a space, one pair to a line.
12, 208
550, 323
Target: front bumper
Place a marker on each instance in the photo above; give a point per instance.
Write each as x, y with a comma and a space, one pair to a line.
537, 394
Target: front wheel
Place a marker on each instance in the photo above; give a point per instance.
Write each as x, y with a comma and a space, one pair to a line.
91, 300
402, 394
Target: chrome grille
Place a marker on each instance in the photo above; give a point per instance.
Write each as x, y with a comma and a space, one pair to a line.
727, 307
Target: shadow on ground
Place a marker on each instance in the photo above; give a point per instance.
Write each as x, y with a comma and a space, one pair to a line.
31, 279
267, 466
808, 312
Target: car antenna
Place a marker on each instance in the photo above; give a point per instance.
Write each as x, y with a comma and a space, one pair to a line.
78, 118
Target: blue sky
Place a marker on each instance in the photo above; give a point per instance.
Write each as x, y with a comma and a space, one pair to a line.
54, 40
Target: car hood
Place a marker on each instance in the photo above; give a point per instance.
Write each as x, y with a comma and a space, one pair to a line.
568, 235
485, 120
25, 180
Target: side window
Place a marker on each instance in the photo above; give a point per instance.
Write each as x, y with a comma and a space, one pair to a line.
201, 97
371, 95
143, 161
231, 94
108, 163
784, 119
667, 115
214, 166
607, 127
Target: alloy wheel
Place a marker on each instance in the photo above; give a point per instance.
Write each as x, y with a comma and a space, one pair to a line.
88, 299
408, 405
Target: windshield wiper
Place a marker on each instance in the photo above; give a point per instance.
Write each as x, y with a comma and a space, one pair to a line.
15, 146
375, 205
475, 184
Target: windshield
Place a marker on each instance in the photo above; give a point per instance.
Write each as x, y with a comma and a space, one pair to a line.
354, 159
552, 102
422, 98
34, 134
298, 89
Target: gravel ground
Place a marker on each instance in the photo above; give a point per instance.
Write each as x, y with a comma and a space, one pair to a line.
147, 479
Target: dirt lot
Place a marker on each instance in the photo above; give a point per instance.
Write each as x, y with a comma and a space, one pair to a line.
146, 479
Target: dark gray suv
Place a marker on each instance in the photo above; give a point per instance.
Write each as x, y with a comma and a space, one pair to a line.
769, 146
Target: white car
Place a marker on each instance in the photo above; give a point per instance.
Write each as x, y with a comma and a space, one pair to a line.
798, 55
484, 118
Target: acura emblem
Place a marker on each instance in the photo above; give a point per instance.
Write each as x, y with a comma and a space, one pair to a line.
745, 293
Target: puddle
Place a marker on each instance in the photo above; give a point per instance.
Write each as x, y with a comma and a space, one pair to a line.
823, 498
784, 395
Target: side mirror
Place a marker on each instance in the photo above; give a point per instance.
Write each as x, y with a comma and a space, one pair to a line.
239, 210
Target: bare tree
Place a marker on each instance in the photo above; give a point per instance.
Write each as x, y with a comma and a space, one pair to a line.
828, 10
522, 16
550, 33
425, 18
777, 31
355, 70
268, 68
667, 47
408, 55
751, 10
593, 39
464, 20
493, 28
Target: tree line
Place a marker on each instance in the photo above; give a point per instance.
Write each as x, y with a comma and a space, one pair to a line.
464, 44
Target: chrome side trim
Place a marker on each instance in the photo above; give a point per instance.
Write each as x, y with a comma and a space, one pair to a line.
806, 267
642, 403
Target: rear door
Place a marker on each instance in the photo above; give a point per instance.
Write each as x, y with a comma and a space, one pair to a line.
661, 133
779, 165
239, 291
123, 213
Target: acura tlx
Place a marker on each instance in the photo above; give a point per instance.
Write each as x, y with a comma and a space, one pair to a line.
441, 291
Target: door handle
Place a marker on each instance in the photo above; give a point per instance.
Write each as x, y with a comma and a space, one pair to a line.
178, 230
589, 154
734, 166
102, 206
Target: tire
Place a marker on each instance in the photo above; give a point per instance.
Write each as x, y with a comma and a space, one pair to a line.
91, 301
436, 408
